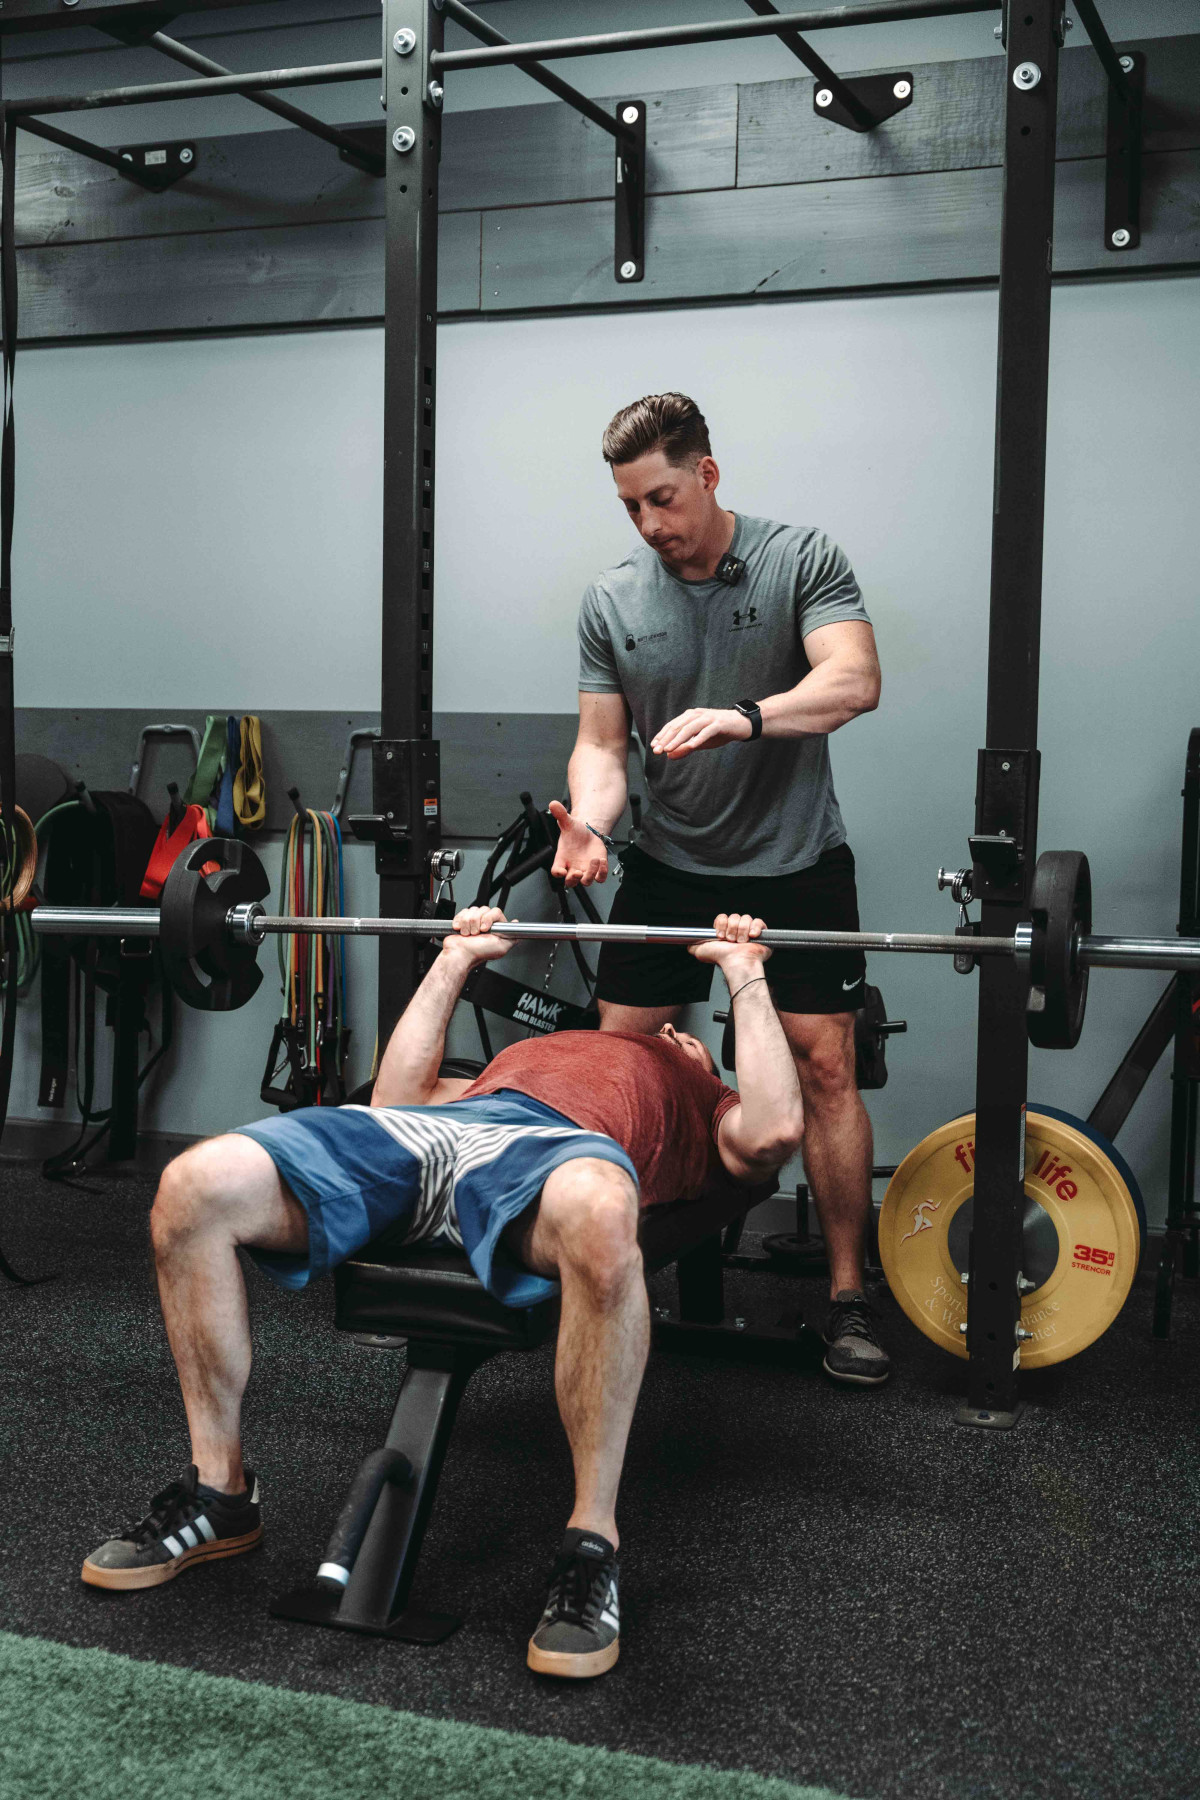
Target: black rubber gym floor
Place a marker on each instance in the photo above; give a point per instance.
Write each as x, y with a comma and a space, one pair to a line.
840, 1588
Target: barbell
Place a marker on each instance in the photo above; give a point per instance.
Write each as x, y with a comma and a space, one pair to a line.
212, 921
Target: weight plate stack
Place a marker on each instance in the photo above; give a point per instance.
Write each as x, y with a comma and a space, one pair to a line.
1083, 1231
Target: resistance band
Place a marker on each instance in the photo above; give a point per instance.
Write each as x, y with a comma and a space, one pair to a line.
311, 1036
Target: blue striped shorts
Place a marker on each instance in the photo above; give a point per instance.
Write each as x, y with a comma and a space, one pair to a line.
460, 1173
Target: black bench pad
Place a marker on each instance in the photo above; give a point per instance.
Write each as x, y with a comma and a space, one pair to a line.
399, 1290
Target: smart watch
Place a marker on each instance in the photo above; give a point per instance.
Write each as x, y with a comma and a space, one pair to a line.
749, 709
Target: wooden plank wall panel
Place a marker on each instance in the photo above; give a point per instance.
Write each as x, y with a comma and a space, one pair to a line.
275, 230
261, 178
533, 155
297, 275
890, 232
956, 120
515, 156
898, 230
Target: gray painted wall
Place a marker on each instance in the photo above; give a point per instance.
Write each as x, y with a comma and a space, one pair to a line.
202, 519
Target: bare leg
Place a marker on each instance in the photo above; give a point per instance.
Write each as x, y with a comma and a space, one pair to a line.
584, 1232
838, 1149
214, 1197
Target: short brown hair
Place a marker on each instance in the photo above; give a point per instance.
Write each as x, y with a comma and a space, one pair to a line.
668, 422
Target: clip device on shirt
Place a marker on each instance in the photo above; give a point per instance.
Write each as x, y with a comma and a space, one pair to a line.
730, 570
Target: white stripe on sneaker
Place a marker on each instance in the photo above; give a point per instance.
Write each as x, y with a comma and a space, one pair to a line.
189, 1537
607, 1618
173, 1545
205, 1529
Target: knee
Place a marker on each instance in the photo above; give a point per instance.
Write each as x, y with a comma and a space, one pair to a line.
187, 1200
595, 1213
828, 1074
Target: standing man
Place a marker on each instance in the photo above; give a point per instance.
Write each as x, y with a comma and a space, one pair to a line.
735, 646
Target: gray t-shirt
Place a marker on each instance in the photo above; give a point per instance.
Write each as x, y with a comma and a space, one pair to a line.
766, 808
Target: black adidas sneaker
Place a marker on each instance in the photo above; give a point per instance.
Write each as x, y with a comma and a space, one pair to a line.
578, 1635
186, 1524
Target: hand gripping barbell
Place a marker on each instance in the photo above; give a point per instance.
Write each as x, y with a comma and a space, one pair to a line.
212, 922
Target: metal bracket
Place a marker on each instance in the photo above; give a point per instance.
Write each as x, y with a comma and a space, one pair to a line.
881, 95
406, 824
1005, 814
374, 143
363, 734
161, 731
159, 166
1123, 159
629, 195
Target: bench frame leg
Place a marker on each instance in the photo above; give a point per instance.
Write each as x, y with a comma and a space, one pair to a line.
375, 1599
702, 1327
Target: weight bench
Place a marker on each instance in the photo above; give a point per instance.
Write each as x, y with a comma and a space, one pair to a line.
430, 1299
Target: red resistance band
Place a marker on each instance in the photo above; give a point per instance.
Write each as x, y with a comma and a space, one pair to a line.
193, 825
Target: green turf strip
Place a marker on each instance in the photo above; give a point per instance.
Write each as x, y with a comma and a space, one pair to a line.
88, 1725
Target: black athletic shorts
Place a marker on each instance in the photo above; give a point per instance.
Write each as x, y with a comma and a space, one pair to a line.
822, 898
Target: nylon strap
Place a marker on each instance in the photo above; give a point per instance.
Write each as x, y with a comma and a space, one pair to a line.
208, 764
170, 844
249, 788
226, 826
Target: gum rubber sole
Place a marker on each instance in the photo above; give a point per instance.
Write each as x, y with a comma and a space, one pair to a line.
573, 1668
855, 1380
158, 1573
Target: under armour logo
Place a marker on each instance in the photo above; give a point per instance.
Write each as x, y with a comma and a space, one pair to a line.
749, 617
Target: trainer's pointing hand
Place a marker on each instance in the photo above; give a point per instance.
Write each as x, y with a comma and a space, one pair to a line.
581, 858
700, 728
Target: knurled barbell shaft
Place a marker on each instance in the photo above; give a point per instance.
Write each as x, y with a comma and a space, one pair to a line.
919, 943
1169, 953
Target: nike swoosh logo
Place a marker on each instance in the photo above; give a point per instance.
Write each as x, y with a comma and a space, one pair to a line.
847, 985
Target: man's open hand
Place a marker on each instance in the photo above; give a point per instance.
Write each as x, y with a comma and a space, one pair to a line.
581, 857
734, 943
473, 939
700, 728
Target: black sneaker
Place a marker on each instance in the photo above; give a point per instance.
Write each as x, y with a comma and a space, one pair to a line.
186, 1524
578, 1635
853, 1352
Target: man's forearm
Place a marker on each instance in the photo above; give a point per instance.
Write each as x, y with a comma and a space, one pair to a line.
829, 696
408, 1072
768, 1086
598, 781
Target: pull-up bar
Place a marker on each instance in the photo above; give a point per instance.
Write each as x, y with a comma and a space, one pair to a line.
669, 37
318, 75
454, 9
183, 53
877, 12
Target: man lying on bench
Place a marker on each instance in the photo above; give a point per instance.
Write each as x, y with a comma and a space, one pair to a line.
537, 1169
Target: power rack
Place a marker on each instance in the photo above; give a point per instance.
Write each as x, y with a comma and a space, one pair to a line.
405, 823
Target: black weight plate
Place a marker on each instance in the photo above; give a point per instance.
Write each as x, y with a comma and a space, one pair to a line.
207, 966
1061, 905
